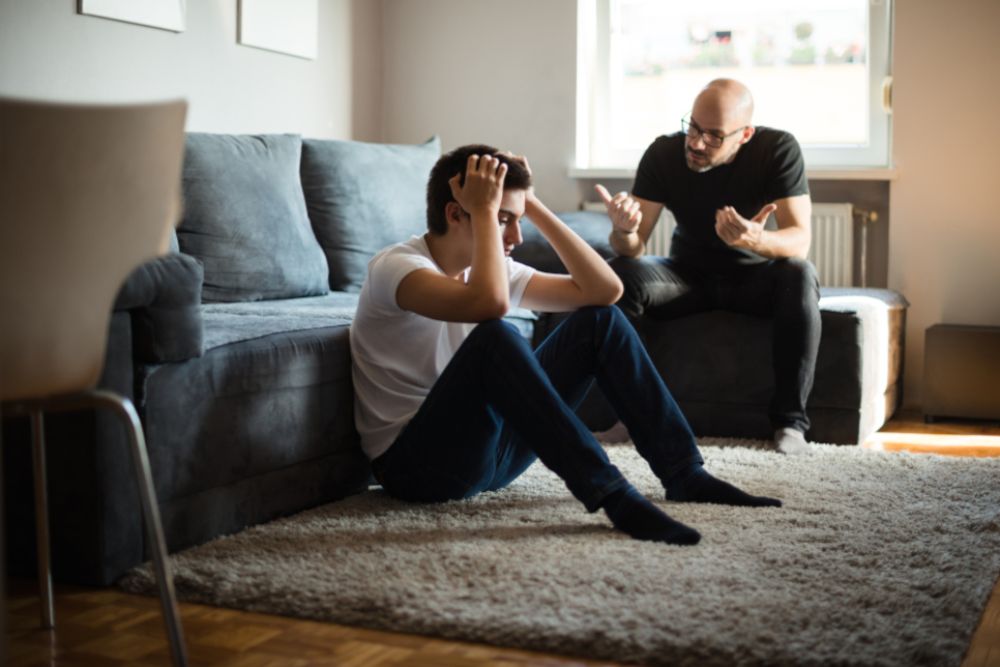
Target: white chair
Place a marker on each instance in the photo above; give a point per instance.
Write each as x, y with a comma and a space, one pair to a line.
86, 194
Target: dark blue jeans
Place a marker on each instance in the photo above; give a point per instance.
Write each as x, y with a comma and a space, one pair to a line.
498, 406
786, 290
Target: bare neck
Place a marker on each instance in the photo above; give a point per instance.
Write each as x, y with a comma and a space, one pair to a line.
447, 253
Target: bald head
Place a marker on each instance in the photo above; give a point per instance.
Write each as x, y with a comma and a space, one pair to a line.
724, 103
720, 124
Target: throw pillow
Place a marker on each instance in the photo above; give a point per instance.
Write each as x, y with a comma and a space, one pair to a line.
363, 197
245, 218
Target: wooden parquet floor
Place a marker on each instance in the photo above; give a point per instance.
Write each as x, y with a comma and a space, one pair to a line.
108, 628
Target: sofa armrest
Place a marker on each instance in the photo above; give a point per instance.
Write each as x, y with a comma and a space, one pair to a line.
163, 297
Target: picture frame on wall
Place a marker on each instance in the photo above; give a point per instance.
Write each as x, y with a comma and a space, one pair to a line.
283, 26
163, 14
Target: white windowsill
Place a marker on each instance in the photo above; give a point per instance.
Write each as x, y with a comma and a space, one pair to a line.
853, 174
827, 174
601, 172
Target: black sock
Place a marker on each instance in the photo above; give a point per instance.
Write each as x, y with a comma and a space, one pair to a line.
696, 485
632, 513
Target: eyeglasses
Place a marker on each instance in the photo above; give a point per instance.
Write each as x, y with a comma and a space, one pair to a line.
712, 138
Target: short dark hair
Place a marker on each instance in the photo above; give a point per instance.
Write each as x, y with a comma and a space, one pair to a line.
439, 191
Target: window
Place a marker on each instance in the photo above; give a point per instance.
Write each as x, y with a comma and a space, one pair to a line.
817, 68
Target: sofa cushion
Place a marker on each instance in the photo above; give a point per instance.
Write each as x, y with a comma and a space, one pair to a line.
227, 323
362, 197
245, 218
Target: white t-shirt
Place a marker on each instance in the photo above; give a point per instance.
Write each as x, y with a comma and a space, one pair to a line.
397, 355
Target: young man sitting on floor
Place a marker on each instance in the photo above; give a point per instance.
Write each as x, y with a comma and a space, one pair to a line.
452, 401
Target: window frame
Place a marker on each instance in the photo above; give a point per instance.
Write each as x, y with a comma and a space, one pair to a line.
595, 89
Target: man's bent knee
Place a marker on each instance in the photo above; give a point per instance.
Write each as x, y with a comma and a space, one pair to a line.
494, 328
610, 315
499, 335
598, 322
797, 274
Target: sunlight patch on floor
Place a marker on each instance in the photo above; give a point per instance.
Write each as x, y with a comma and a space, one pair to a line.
935, 443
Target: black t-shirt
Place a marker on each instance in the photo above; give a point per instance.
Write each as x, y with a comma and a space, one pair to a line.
766, 168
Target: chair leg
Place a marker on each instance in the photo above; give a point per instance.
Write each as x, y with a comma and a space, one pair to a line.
151, 514
42, 519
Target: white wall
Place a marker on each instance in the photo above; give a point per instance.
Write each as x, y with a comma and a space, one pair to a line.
944, 244
486, 71
49, 51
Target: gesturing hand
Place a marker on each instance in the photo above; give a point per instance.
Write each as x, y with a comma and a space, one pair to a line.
622, 209
737, 231
483, 187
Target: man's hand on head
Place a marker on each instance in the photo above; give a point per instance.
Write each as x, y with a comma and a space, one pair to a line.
482, 190
520, 159
737, 231
530, 198
622, 209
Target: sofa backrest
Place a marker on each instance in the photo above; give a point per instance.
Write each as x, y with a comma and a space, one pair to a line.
261, 235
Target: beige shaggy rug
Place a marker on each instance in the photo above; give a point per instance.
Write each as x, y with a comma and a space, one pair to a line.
876, 559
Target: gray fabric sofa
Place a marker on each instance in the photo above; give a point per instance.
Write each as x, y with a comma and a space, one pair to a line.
234, 349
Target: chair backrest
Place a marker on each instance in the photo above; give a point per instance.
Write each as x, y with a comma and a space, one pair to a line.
87, 193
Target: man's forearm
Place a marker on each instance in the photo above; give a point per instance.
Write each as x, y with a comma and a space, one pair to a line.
626, 244
783, 243
794, 232
586, 267
488, 273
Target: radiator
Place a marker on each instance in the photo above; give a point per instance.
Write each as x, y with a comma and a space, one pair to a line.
831, 251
